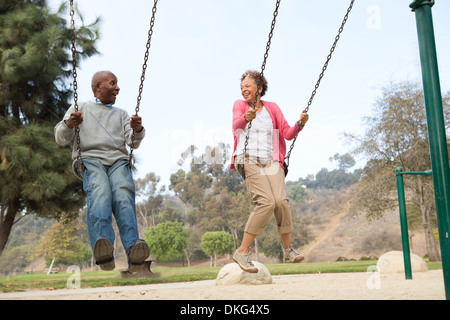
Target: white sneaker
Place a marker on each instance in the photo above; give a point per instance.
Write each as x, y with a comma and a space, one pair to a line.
290, 255
244, 262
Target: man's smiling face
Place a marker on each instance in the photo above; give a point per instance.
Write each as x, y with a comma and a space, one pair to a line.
107, 88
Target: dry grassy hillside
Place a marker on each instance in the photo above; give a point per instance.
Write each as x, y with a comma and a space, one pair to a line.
339, 231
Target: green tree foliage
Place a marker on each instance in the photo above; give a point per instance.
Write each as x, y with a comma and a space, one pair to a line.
216, 193
22, 243
35, 64
170, 213
345, 161
339, 178
334, 179
297, 193
222, 201
217, 242
190, 186
63, 243
15, 259
167, 240
151, 196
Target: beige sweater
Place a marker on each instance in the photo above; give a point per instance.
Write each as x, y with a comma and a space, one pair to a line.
104, 133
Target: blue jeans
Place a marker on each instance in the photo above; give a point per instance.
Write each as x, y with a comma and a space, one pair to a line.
110, 190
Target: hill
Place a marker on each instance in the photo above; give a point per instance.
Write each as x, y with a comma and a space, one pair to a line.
341, 232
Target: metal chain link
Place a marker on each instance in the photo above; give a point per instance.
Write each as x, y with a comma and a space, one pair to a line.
75, 84
263, 67
269, 41
144, 69
324, 68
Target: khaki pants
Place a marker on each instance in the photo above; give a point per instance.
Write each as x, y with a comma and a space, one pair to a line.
264, 179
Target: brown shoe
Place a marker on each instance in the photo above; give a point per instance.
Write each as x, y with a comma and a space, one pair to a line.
137, 255
104, 254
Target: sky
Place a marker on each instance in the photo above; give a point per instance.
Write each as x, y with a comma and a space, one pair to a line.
200, 48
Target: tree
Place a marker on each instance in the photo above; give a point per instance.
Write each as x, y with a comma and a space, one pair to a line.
397, 135
345, 161
62, 242
190, 187
217, 242
152, 196
15, 259
22, 243
193, 247
35, 174
335, 179
297, 193
224, 211
338, 179
167, 240
170, 213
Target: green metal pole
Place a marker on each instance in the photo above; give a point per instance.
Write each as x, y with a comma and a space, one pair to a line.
436, 128
403, 223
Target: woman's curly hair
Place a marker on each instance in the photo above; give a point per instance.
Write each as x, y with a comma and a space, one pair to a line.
259, 79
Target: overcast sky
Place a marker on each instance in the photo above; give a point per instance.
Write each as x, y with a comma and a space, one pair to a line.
200, 48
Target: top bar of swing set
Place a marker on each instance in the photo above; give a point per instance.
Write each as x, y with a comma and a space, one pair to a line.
417, 3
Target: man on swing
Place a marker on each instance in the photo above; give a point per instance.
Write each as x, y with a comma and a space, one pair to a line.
108, 183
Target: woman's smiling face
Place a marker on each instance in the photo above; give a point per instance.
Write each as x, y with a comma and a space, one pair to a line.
248, 90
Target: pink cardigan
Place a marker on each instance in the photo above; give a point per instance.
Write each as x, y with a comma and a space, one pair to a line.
285, 131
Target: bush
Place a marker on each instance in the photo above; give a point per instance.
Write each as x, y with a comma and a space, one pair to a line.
167, 240
383, 240
218, 242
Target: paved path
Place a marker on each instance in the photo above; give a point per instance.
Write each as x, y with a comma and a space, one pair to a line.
342, 286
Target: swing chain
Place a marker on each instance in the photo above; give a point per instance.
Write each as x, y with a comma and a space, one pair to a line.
272, 27
324, 68
263, 67
333, 47
146, 55
75, 84
144, 69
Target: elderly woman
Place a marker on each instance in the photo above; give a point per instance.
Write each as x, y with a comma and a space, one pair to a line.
262, 166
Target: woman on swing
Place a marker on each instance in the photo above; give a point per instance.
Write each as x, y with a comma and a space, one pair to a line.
263, 169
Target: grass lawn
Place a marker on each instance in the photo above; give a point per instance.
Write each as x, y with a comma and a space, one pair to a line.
92, 279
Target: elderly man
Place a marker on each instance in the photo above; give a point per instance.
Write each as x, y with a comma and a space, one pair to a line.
108, 183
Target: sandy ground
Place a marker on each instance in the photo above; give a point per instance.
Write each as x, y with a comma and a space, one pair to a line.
343, 286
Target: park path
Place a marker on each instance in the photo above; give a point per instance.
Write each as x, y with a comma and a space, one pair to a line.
331, 226
341, 286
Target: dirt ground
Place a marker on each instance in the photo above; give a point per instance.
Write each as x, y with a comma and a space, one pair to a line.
342, 286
